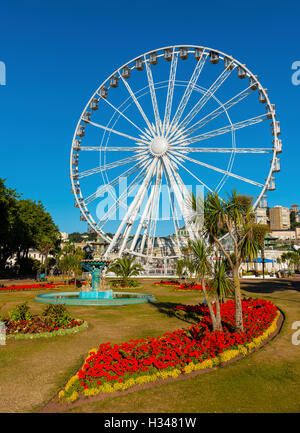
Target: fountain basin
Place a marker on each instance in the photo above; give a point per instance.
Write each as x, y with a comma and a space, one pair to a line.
96, 294
73, 298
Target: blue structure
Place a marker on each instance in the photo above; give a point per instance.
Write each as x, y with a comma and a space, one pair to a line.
95, 268
73, 298
94, 296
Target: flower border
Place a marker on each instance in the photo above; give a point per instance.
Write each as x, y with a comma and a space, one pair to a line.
66, 395
68, 331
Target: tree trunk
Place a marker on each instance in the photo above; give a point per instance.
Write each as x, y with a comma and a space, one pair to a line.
218, 315
210, 307
263, 260
46, 265
239, 327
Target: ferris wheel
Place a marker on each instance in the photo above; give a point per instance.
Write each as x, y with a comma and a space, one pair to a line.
165, 121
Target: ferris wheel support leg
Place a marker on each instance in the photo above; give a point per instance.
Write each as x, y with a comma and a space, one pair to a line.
179, 196
133, 217
150, 199
129, 213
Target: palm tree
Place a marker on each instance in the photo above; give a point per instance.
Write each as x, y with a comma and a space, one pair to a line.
69, 260
259, 232
125, 268
292, 259
202, 265
233, 216
220, 282
45, 246
184, 267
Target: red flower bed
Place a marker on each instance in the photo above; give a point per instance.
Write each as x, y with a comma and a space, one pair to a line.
36, 325
111, 363
182, 286
165, 283
193, 287
32, 286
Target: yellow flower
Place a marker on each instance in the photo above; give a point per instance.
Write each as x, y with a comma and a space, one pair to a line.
72, 397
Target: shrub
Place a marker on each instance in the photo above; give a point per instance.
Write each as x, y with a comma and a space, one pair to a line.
20, 312
57, 313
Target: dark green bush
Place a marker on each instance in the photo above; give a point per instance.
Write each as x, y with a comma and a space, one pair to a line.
58, 314
20, 312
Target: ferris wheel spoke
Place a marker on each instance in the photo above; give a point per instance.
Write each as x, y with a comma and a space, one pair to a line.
137, 104
206, 97
186, 207
138, 140
136, 208
129, 216
246, 150
125, 117
149, 219
219, 110
128, 191
153, 97
174, 214
138, 148
170, 92
147, 207
107, 166
224, 130
114, 182
192, 174
228, 173
153, 223
190, 87
180, 192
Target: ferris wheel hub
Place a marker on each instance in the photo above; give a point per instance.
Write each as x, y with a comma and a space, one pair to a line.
159, 146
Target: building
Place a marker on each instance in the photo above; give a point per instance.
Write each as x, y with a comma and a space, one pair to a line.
284, 235
64, 236
261, 215
297, 213
279, 218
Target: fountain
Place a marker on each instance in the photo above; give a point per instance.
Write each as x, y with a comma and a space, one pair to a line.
95, 292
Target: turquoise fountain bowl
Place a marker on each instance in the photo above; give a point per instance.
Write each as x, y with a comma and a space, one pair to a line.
96, 298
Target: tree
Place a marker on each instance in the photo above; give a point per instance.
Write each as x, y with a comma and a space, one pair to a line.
259, 234
184, 267
45, 246
69, 260
292, 259
235, 217
220, 282
8, 213
201, 259
24, 223
125, 268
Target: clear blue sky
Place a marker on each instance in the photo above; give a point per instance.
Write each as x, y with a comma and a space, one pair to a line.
58, 52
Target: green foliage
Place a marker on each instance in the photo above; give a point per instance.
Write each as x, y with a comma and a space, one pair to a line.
220, 282
20, 312
69, 259
201, 262
292, 258
125, 268
77, 237
58, 314
24, 223
184, 267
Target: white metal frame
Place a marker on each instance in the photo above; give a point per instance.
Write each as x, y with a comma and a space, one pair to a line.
173, 132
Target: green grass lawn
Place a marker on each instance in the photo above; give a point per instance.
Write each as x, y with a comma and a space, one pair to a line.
31, 371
